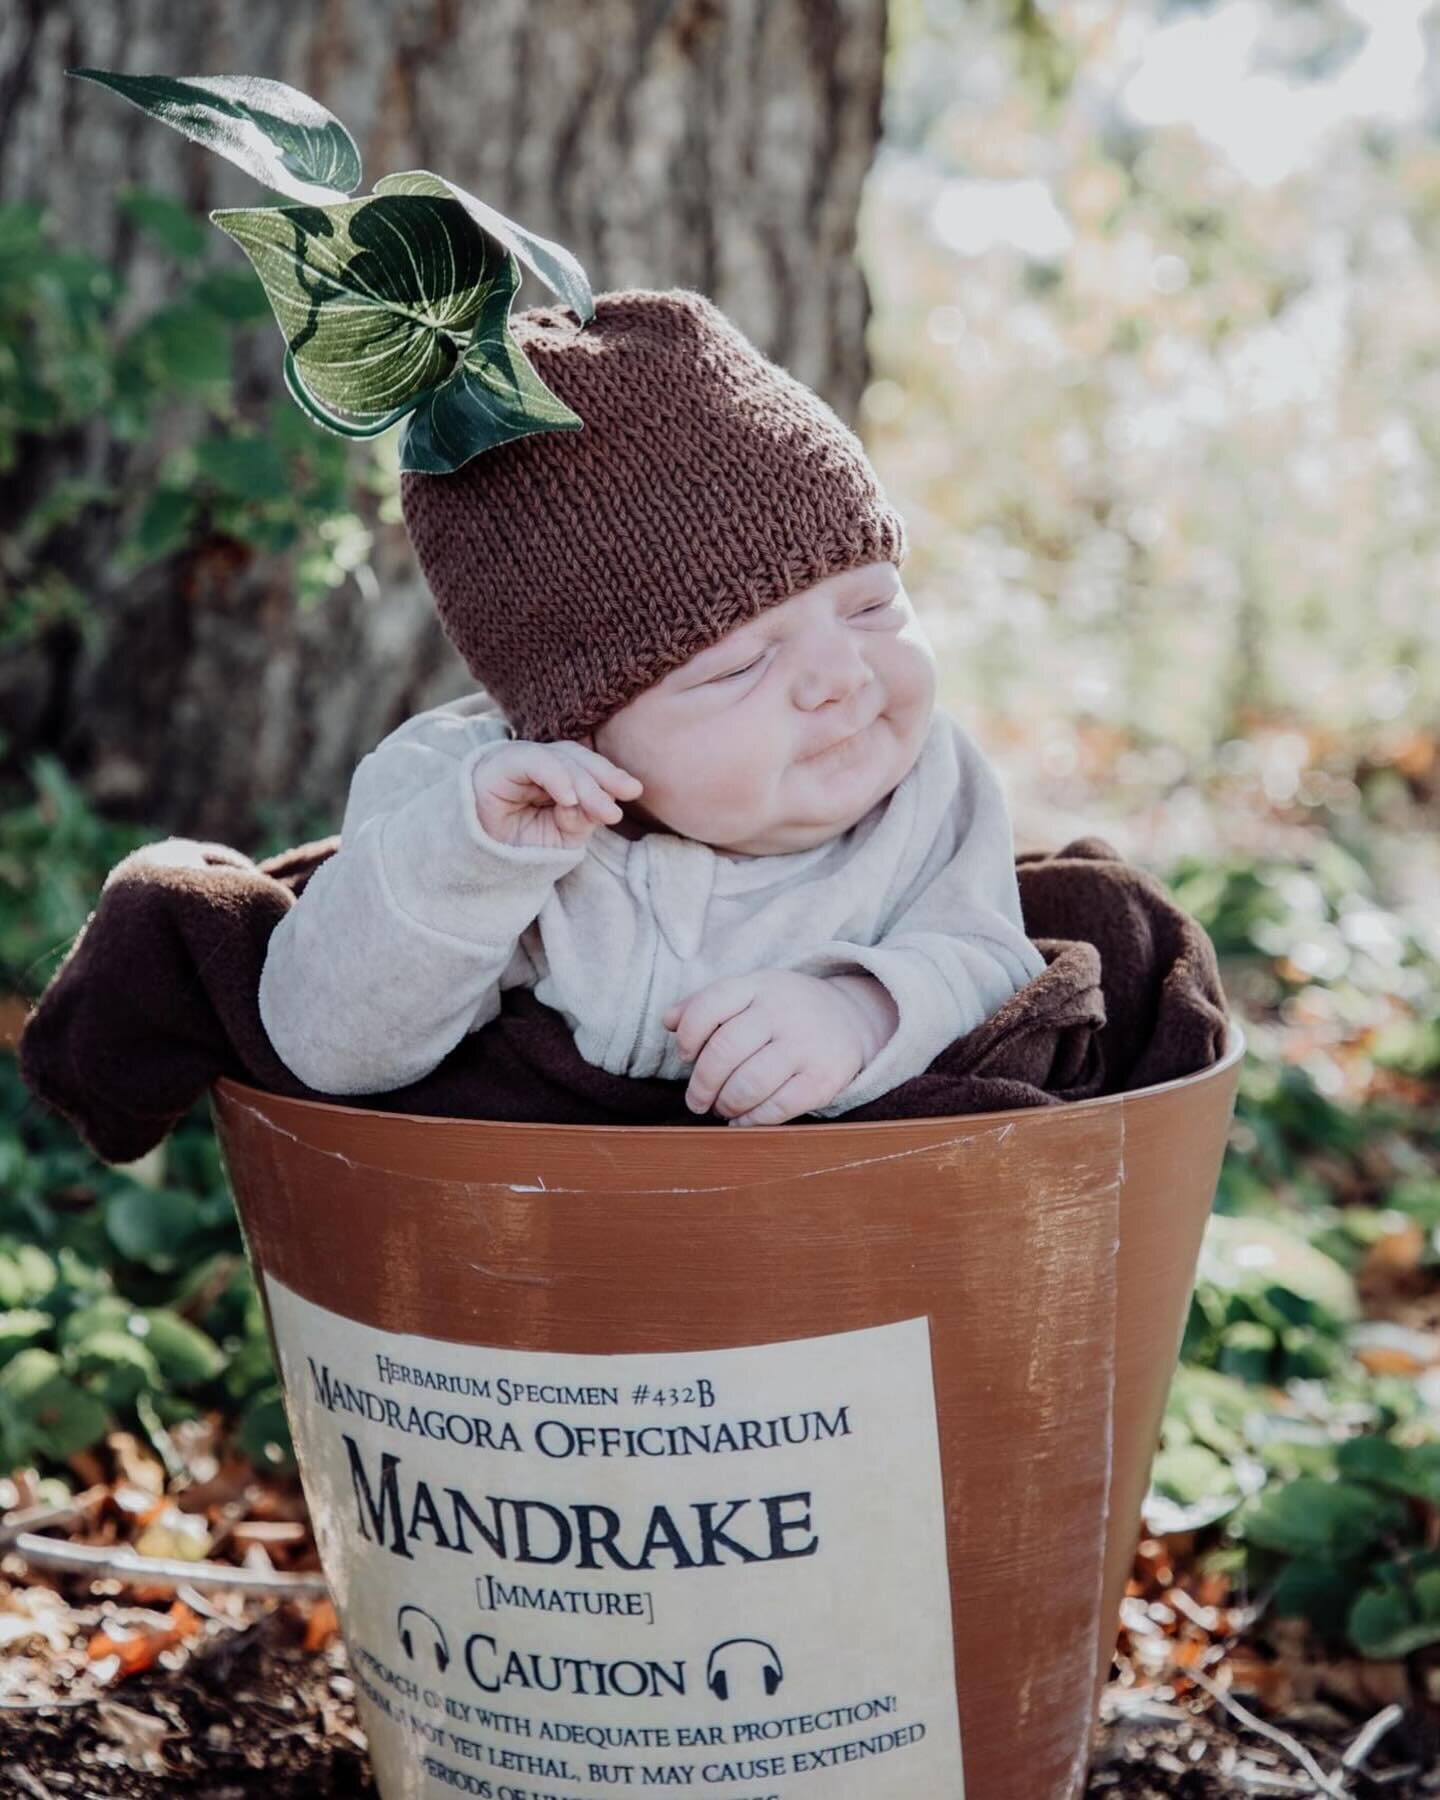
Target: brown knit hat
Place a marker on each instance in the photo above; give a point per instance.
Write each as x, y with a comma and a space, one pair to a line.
573, 569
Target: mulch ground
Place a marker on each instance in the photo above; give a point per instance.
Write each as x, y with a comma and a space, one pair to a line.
249, 1711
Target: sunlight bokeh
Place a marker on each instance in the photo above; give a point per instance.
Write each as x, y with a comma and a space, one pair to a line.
1154, 387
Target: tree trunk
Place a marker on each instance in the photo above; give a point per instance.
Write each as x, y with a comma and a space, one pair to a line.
665, 142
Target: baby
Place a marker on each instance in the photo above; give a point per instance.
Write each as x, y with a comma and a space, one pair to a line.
724, 831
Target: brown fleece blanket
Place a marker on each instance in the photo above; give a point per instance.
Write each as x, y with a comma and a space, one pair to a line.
157, 999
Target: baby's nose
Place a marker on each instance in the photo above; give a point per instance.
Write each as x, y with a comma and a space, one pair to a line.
832, 669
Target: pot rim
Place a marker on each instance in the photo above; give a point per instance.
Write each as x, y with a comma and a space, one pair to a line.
260, 1099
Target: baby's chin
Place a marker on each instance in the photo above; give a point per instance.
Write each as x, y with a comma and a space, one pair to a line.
819, 799
805, 829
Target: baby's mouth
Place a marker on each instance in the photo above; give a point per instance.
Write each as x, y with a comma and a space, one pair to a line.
837, 744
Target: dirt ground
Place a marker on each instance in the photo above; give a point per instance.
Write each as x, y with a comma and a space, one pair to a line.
253, 1713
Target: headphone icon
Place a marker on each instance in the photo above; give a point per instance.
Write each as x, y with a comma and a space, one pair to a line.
407, 1642
718, 1679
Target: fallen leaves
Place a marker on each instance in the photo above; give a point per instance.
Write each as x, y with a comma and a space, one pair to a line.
139, 1734
134, 1652
322, 1626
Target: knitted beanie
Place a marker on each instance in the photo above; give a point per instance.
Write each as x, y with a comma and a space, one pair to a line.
573, 569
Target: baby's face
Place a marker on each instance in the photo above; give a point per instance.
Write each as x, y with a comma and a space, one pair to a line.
742, 747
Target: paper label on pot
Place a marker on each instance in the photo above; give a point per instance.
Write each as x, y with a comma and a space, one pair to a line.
566, 1577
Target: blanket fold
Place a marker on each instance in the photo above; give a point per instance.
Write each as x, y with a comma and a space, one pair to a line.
157, 999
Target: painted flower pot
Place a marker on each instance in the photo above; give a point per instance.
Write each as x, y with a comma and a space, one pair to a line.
801, 1462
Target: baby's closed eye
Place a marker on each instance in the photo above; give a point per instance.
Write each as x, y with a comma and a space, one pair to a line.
878, 606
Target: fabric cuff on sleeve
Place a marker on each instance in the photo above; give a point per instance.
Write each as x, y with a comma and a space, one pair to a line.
932, 1015
444, 871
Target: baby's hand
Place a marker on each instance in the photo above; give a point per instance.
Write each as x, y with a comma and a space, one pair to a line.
548, 795
770, 1045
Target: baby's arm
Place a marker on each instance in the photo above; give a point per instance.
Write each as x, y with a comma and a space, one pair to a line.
399, 944
952, 952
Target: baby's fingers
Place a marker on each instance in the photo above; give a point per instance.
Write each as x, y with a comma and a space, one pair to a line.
576, 793
695, 1019
610, 775
789, 1101
551, 772
594, 799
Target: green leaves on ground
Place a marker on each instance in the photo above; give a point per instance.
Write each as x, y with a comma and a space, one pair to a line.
1401, 1613
43, 1413
1267, 1305
1323, 1521
123, 1301
1359, 1566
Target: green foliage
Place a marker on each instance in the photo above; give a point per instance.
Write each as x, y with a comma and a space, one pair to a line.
1357, 1564
1335, 1525
1302, 922
66, 362
1322, 1521
125, 1298
55, 852
43, 1412
1311, 935
1267, 1306
1327, 1475
1401, 1612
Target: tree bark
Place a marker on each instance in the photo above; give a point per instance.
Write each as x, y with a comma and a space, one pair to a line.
718, 144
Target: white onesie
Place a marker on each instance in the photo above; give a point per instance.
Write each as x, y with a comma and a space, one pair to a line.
403, 941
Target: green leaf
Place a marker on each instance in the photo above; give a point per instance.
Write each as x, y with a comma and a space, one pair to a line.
250, 1367
1413, 1470
1394, 1620
1249, 1256
110, 1313
186, 1356
1322, 1521
166, 220
27, 1274
233, 294
1419, 1198
1411, 1046
181, 346
42, 1411
374, 425
244, 468
1306, 1355
1293, 1446
114, 1367
1192, 1472
151, 1225
1318, 1592
164, 525
20, 1327
373, 296
282, 137
1246, 1350
556, 267
1215, 1409
496, 397
264, 1432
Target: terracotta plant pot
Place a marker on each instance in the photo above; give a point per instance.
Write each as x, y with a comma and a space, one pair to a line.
800, 1461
